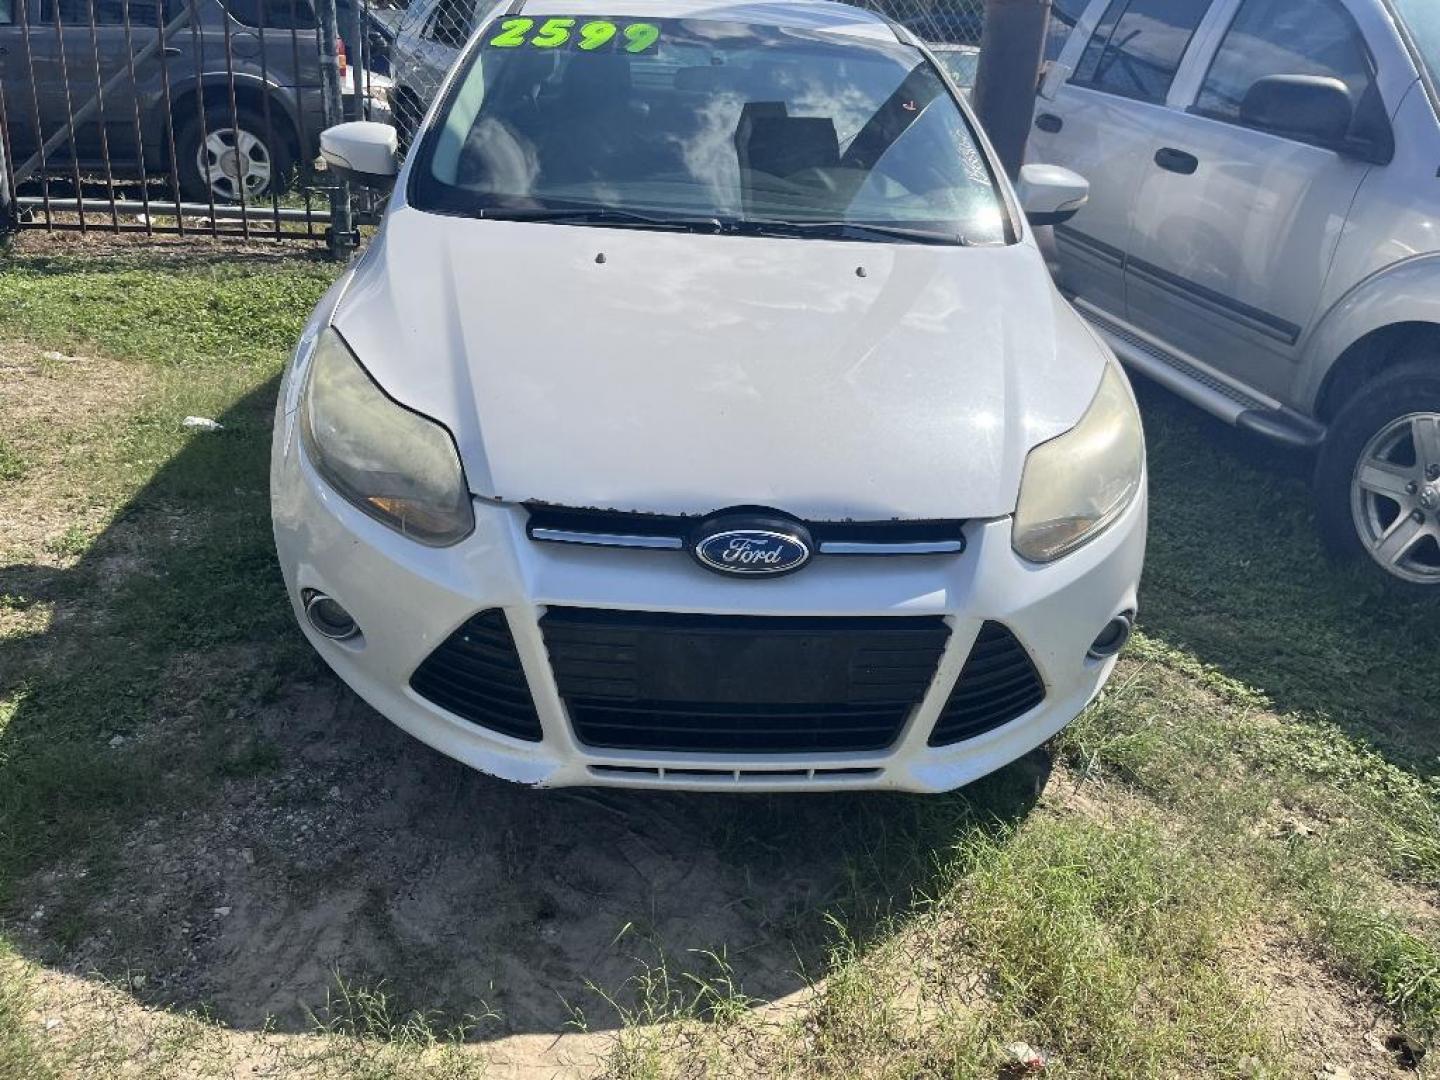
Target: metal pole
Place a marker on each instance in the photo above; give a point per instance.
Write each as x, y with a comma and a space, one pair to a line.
1011, 51
9, 220
340, 237
356, 59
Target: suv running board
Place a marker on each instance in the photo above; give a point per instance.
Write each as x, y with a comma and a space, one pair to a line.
1211, 392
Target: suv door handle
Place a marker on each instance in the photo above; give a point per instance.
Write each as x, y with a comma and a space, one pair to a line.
172, 50
1049, 122
1177, 161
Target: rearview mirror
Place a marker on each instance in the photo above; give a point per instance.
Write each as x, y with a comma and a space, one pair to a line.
1051, 195
1309, 108
362, 151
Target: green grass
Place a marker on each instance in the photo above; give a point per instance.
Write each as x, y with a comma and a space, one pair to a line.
1326, 828
20, 1050
212, 338
245, 310
1263, 765
1236, 576
1102, 944
12, 464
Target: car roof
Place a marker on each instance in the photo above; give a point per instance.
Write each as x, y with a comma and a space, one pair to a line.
800, 14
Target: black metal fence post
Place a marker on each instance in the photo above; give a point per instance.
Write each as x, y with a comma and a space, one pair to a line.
1011, 52
341, 237
355, 54
9, 218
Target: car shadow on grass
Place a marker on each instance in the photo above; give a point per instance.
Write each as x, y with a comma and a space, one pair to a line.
192, 806
1236, 575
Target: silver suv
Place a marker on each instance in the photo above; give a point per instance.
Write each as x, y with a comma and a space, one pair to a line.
1263, 233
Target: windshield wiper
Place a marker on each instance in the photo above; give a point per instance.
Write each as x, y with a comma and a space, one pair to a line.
603, 216
612, 217
851, 230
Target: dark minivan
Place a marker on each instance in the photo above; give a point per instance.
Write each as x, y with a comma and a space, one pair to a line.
231, 102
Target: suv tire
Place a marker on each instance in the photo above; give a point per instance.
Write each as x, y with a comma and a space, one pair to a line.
1389, 431
266, 156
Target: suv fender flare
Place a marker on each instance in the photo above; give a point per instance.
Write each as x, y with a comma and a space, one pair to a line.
282, 104
1404, 292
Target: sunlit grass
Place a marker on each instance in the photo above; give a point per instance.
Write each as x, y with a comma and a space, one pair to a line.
1264, 761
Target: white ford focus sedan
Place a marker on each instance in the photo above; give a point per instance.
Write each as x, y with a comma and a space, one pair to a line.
703, 416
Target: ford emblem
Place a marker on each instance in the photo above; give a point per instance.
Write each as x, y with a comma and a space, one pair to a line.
750, 548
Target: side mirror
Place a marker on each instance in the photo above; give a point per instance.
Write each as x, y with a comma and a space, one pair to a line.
362, 151
1310, 108
1051, 195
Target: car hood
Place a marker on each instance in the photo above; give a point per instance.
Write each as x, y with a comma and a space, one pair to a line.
675, 373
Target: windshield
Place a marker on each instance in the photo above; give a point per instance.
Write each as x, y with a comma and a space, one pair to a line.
1422, 17
691, 119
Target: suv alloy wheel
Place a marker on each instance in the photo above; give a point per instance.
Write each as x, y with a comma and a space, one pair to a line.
1378, 478
231, 154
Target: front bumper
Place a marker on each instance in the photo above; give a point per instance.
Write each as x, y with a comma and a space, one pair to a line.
408, 599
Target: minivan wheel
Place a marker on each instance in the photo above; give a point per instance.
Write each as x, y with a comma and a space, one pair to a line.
233, 153
1378, 478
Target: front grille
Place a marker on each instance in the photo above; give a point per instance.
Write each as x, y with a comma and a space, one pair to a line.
740, 684
998, 684
476, 674
614, 528
737, 777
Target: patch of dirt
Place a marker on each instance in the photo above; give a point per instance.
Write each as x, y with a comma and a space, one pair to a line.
90, 1028
51, 410
1331, 1025
193, 247
369, 857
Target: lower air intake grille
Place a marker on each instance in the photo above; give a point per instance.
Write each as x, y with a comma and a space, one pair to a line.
998, 684
740, 684
476, 675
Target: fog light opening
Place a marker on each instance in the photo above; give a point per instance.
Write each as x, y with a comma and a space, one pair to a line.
328, 617
1114, 637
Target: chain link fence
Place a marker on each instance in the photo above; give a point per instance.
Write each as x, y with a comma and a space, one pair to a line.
431, 34
940, 22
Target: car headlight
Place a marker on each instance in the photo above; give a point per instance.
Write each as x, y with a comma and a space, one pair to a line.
395, 465
1077, 484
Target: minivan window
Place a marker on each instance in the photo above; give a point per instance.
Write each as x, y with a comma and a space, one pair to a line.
1137, 47
266, 14
107, 12
1279, 37
710, 121
273, 14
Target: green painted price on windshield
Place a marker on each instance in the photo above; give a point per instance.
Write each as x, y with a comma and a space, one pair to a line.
557, 32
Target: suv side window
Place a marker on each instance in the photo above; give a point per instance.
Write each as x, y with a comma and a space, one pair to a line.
1280, 37
1137, 48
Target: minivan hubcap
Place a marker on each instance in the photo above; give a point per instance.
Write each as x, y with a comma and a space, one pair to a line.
1395, 497
234, 160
